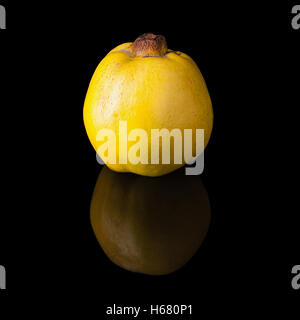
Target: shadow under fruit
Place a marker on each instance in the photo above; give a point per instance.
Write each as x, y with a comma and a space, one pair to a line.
149, 225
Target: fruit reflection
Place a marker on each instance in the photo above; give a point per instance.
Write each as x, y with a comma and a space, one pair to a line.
149, 225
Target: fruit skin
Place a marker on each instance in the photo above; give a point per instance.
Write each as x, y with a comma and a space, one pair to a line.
151, 92
149, 225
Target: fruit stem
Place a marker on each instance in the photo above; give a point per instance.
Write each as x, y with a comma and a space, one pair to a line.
149, 45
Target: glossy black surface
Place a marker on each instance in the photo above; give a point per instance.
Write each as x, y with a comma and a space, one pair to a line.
249, 59
149, 225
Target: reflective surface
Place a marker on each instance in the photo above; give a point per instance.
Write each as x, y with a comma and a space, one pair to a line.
149, 225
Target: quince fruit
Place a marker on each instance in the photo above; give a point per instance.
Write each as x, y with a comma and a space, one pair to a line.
147, 86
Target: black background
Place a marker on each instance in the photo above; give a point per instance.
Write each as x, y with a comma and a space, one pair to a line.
248, 57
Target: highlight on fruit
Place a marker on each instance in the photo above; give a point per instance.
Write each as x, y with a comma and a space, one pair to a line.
160, 96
